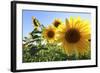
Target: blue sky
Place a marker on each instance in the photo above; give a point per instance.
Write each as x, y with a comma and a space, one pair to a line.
47, 17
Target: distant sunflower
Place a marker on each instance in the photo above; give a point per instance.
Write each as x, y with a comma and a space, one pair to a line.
57, 22
49, 34
35, 22
74, 36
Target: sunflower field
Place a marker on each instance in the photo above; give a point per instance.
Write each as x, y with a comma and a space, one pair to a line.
59, 41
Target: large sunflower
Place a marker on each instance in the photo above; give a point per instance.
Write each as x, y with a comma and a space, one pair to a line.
57, 22
74, 36
49, 34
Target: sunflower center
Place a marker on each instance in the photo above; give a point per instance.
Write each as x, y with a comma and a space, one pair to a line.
72, 36
50, 34
56, 24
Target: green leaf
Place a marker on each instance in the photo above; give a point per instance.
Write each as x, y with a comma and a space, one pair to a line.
34, 50
36, 36
35, 32
25, 38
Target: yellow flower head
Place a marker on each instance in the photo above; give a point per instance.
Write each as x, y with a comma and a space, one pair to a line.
74, 36
49, 34
57, 22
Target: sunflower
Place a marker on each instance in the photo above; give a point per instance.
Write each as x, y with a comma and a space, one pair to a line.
74, 36
49, 34
35, 22
57, 22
